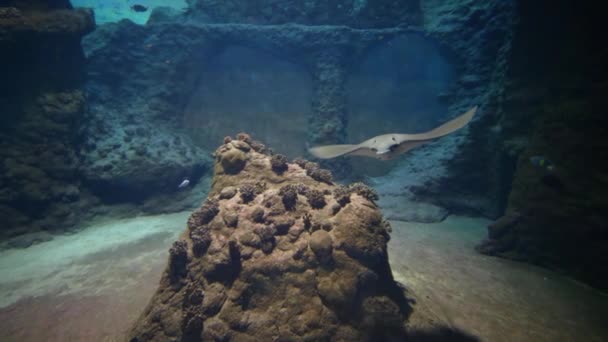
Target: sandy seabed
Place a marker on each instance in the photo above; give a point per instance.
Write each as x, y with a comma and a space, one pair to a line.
92, 285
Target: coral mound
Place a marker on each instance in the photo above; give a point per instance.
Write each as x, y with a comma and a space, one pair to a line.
276, 256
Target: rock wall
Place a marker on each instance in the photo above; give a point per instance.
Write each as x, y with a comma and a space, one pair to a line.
141, 79
473, 37
134, 144
557, 218
468, 172
358, 13
164, 64
479, 35
277, 252
42, 104
248, 89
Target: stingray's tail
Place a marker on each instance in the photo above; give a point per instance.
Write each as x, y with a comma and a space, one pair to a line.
331, 151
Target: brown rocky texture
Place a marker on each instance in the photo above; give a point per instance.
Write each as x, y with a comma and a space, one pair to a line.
281, 272
42, 103
557, 219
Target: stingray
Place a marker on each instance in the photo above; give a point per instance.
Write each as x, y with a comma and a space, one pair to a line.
389, 146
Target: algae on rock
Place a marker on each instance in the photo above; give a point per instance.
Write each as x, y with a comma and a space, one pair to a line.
275, 265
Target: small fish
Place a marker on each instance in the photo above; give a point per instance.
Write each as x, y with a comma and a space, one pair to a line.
184, 183
543, 163
139, 8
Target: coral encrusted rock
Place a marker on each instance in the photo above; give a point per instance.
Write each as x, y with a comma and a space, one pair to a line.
276, 265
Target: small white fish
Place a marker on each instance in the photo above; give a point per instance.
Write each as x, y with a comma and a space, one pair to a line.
184, 183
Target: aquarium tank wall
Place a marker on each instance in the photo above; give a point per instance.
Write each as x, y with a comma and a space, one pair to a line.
279, 141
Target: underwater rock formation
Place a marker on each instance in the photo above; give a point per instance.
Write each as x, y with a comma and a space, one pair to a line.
478, 174
469, 172
157, 67
359, 13
556, 217
277, 256
471, 35
42, 104
134, 147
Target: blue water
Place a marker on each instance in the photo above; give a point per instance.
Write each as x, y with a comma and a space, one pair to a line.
108, 11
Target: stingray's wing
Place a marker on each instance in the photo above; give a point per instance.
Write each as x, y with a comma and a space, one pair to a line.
332, 151
445, 129
406, 141
408, 145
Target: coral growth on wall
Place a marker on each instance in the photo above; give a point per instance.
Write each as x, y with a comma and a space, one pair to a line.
554, 110
42, 104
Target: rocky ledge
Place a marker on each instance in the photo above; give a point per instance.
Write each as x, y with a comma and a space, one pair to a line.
15, 22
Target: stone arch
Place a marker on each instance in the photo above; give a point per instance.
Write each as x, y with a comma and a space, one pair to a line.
397, 87
244, 89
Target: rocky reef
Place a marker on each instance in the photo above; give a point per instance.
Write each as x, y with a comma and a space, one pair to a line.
42, 104
134, 146
471, 36
556, 218
161, 66
274, 253
469, 172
